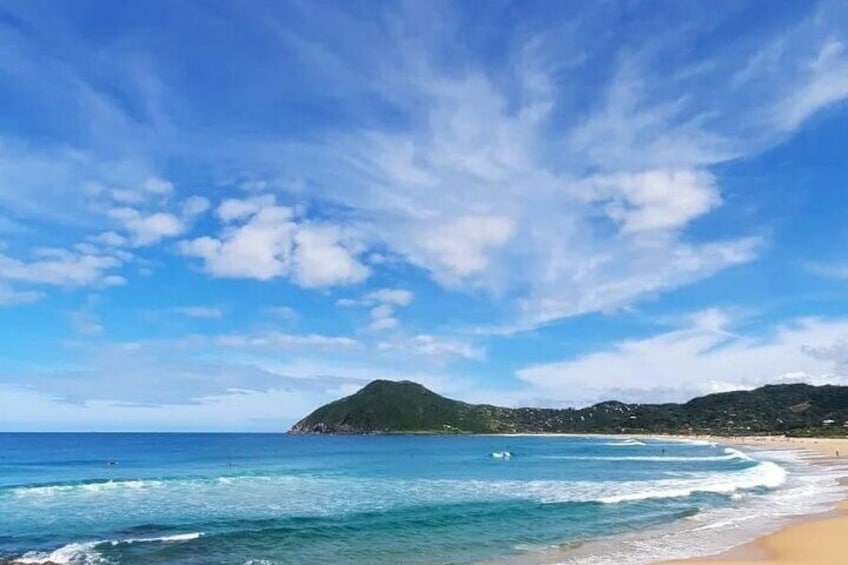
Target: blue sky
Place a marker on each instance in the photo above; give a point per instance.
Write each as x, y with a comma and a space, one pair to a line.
218, 216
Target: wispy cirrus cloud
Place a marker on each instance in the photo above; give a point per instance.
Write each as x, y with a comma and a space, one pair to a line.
498, 177
487, 186
515, 168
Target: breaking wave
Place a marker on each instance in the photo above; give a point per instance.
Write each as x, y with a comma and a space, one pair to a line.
85, 553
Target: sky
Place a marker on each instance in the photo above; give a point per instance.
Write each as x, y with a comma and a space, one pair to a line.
220, 215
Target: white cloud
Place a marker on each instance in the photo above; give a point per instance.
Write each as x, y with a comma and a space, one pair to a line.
654, 200
433, 347
110, 239
616, 274
390, 296
321, 258
260, 249
158, 186
277, 340
127, 196
195, 206
152, 187
270, 410
496, 175
147, 217
383, 318
393, 296
384, 303
233, 209
701, 358
112, 280
262, 240
59, 267
146, 229
462, 245
58, 185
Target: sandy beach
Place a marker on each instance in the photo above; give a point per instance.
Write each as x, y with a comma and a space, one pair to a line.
815, 540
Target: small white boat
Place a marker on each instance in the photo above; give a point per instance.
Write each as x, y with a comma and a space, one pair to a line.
501, 455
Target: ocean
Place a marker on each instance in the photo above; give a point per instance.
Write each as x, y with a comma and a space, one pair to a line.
251, 499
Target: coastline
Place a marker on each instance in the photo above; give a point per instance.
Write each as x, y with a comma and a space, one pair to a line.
818, 539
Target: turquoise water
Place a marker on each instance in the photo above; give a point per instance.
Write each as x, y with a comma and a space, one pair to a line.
257, 498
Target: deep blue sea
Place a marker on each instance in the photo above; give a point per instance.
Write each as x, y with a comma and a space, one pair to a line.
273, 498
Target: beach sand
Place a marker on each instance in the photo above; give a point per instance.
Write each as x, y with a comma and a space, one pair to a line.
816, 540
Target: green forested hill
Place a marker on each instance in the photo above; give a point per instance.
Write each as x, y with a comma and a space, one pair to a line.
406, 407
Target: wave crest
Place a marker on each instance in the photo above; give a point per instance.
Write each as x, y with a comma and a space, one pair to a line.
85, 553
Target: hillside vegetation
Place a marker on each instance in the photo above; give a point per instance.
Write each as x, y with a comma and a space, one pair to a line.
407, 407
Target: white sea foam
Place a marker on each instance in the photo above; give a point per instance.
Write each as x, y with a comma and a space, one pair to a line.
626, 443
274, 496
729, 455
765, 475
70, 554
803, 489
687, 441
162, 539
93, 488
85, 553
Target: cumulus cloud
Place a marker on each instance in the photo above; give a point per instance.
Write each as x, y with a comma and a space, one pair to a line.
260, 248
146, 229
701, 358
500, 180
321, 258
262, 240
146, 225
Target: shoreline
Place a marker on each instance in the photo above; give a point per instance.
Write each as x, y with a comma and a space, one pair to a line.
818, 538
